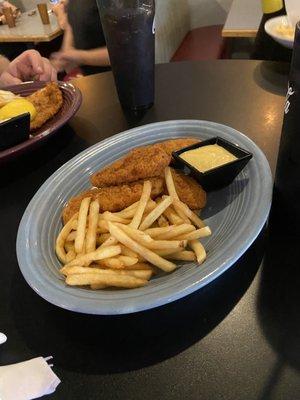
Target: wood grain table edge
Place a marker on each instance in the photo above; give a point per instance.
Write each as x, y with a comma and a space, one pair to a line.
33, 38
239, 33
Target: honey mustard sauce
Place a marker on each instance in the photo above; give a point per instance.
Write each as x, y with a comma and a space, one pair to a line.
207, 157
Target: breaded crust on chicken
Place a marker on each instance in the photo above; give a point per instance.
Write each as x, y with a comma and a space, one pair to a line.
47, 102
176, 144
189, 191
140, 163
113, 198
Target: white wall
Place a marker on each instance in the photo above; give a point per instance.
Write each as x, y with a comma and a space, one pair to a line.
208, 12
26, 5
172, 24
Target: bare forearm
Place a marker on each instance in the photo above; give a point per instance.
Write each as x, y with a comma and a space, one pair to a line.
4, 62
68, 41
95, 57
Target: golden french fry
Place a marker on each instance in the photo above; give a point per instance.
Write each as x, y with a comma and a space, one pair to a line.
70, 256
81, 227
127, 252
177, 231
171, 215
123, 281
164, 232
149, 243
156, 213
69, 246
135, 223
127, 260
71, 236
184, 255
90, 244
172, 192
99, 254
175, 245
110, 241
102, 225
108, 216
199, 250
136, 234
149, 255
192, 216
197, 234
129, 208
113, 263
98, 286
162, 221
141, 266
61, 238
102, 238
142, 274
166, 252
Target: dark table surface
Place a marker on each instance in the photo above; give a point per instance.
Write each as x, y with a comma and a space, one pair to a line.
235, 339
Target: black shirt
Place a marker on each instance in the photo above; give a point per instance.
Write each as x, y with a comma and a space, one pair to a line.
88, 34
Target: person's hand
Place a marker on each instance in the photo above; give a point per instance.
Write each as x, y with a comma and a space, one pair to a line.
28, 66
73, 56
61, 14
67, 59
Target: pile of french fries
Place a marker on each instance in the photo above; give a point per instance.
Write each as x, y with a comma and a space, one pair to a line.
125, 249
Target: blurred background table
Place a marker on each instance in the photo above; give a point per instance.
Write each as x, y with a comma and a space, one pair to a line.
243, 19
30, 29
235, 339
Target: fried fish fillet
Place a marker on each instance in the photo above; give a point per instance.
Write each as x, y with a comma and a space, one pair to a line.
140, 163
189, 191
47, 102
113, 198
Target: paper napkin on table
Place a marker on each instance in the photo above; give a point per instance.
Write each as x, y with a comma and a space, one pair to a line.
27, 380
293, 11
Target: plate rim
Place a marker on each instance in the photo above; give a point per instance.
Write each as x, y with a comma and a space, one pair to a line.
30, 143
196, 285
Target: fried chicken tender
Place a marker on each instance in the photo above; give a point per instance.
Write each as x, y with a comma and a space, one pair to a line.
113, 198
47, 102
140, 163
176, 144
189, 191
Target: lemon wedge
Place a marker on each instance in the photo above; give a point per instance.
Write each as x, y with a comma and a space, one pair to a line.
17, 107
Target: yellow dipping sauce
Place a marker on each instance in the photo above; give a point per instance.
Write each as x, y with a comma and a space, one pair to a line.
207, 157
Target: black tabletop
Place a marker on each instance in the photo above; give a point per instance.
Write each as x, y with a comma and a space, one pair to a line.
237, 338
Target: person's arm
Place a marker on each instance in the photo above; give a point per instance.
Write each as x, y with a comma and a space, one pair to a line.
4, 63
71, 58
68, 39
94, 57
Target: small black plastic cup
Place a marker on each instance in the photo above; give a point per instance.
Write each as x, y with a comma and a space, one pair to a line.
14, 131
128, 27
219, 177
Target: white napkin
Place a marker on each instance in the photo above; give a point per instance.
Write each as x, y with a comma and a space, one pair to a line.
293, 11
27, 380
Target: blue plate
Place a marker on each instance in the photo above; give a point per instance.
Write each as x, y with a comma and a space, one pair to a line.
235, 214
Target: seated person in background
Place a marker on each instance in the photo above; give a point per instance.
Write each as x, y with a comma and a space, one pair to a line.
16, 11
27, 66
84, 43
